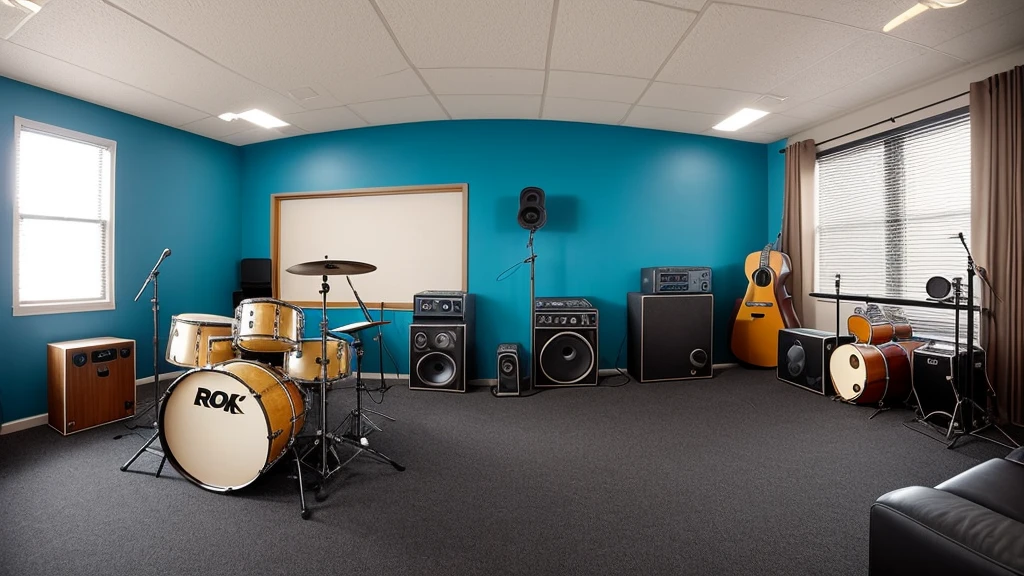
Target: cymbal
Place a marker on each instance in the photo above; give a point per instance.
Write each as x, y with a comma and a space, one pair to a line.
331, 268
357, 326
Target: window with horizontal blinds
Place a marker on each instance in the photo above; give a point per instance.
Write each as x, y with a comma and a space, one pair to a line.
63, 232
889, 211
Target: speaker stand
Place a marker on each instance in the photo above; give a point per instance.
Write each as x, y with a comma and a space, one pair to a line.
533, 302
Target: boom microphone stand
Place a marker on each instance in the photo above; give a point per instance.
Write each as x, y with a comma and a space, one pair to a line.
154, 275
967, 396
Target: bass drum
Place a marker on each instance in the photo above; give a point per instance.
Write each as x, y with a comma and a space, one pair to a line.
866, 374
225, 425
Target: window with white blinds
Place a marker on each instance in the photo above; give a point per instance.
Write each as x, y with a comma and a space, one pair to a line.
64, 220
889, 211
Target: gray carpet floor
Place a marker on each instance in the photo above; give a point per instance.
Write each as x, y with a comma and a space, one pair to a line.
739, 474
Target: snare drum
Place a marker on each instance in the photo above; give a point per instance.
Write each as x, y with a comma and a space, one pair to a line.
268, 325
867, 374
300, 365
223, 426
189, 342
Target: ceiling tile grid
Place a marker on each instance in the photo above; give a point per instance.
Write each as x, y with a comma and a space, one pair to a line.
680, 65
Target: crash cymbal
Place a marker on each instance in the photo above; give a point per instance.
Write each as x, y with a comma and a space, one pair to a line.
357, 326
331, 268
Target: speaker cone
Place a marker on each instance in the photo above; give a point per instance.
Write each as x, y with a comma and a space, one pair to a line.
938, 287
795, 359
566, 358
436, 369
698, 358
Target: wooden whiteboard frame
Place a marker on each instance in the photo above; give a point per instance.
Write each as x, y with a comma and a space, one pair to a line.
275, 234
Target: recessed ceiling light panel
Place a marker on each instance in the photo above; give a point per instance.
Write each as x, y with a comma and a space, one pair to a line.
257, 117
740, 119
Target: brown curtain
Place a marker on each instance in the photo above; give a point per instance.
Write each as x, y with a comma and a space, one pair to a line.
997, 230
799, 190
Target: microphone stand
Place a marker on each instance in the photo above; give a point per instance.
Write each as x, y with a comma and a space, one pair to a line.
154, 276
969, 423
533, 302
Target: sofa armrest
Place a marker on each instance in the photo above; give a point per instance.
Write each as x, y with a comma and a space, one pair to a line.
919, 530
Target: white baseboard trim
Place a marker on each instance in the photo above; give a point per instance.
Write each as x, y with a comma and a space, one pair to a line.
25, 423
164, 377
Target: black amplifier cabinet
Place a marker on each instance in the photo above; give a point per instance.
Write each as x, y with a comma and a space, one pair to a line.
675, 280
446, 306
935, 369
670, 336
804, 355
565, 343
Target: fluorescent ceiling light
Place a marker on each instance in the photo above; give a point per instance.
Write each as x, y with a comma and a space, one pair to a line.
257, 117
29, 5
739, 119
918, 8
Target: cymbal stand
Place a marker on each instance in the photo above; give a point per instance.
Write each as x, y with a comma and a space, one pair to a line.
154, 276
967, 423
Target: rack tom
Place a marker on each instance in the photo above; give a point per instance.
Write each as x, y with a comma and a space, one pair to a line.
268, 325
189, 342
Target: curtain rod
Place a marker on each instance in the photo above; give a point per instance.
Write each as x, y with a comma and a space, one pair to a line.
891, 119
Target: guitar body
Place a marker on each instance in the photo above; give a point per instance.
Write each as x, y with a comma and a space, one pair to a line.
765, 309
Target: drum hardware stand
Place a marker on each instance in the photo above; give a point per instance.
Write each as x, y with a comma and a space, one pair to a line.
359, 354
958, 428
154, 275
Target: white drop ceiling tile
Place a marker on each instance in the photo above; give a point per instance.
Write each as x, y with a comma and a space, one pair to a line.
696, 98
31, 67
576, 110
693, 5
673, 120
103, 39
471, 33
933, 27
282, 45
616, 37
868, 55
587, 86
778, 124
253, 136
394, 85
463, 107
313, 97
397, 110
325, 120
214, 127
866, 14
992, 38
484, 80
752, 136
751, 50
813, 111
898, 78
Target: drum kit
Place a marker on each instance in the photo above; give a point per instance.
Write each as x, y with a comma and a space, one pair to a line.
253, 385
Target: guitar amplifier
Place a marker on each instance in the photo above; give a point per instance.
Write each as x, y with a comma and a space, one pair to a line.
90, 382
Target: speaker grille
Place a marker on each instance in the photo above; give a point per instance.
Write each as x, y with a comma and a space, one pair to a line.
566, 358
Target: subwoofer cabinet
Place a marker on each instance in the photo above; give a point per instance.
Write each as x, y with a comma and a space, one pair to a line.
565, 343
439, 356
804, 355
670, 336
90, 382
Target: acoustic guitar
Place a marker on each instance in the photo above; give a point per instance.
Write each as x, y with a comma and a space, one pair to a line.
766, 308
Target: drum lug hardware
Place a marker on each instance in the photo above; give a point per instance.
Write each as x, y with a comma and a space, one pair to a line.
275, 435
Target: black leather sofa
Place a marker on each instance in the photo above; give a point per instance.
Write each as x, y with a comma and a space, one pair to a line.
970, 524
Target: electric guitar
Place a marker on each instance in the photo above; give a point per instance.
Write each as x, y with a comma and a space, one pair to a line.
766, 308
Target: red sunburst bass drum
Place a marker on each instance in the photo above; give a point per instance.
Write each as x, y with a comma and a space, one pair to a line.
867, 374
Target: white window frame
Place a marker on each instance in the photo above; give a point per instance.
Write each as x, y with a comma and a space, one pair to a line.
59, 307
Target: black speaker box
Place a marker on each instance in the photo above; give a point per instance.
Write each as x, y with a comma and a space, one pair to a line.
255, 272
565, 347
670, 336
804, 355
935, 388
510, 373
439, 357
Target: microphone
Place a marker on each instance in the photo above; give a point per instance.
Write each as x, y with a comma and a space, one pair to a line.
152, 273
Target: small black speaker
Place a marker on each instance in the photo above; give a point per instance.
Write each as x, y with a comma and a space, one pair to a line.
532, 213
510, 375
255, 272
670, 336
804, 355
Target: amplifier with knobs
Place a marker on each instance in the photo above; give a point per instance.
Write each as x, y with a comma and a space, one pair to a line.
444, 306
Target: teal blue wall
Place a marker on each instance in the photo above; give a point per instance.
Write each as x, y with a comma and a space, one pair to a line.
619, 199
776, 187
174, 190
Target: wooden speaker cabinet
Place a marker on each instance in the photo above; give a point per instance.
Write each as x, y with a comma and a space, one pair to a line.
90, 382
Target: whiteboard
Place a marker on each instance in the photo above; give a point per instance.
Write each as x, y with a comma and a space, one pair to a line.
416, 237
